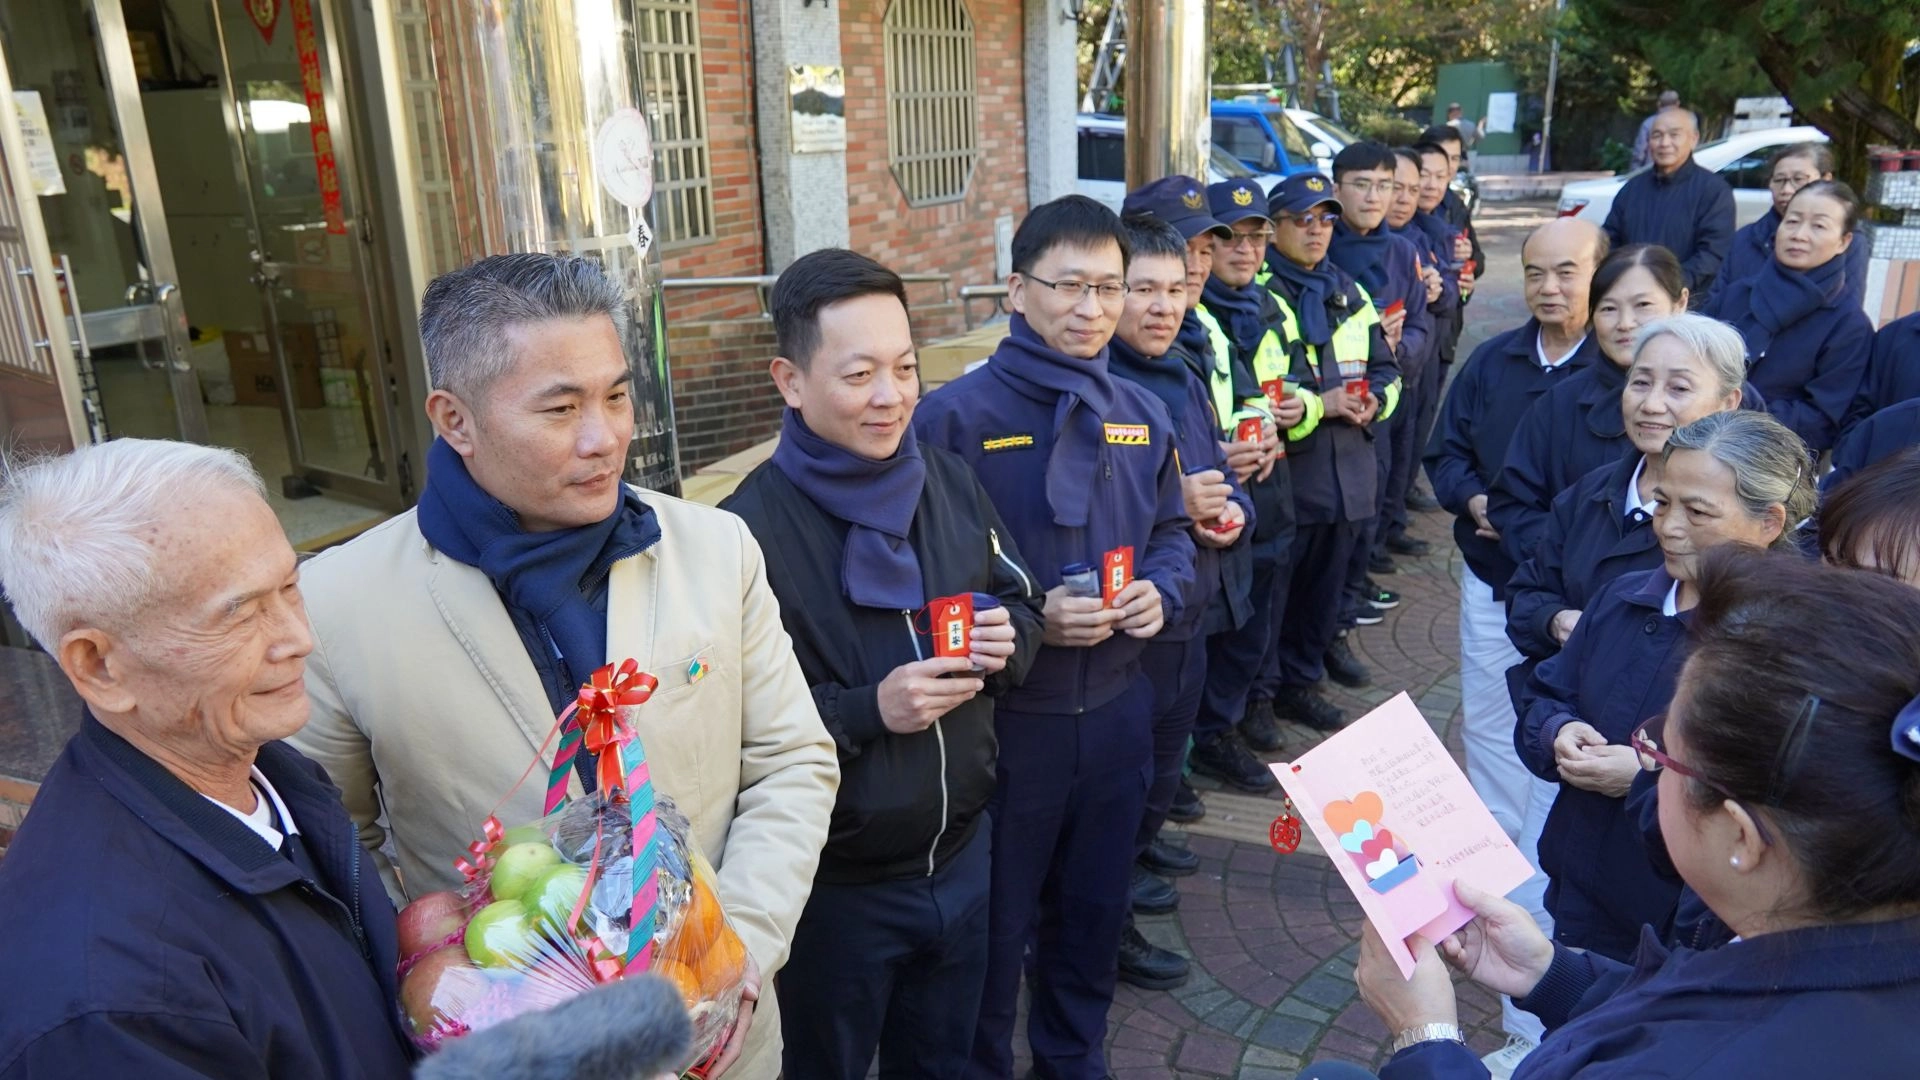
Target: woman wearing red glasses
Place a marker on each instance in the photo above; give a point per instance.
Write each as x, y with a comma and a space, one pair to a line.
1789, 795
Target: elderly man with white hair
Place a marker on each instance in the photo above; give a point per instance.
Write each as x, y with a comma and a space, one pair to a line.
187, 896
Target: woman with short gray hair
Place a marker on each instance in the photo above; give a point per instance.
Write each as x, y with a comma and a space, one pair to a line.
1683, 368
1729, 478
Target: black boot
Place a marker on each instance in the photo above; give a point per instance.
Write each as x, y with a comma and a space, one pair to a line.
1152, 895
1227, 759
1402, 544
1303, 705
1379, 562
1169, 861
1187, 807
1343, 667
1148, 966
1257, 727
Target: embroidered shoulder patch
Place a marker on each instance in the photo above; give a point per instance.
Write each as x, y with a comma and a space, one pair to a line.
1129, 434
1005, 442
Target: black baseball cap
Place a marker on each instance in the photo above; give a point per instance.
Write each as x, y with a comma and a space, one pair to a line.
1301, 192
1179, 201
1236, 200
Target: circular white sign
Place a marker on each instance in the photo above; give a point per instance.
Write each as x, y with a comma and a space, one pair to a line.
623, 158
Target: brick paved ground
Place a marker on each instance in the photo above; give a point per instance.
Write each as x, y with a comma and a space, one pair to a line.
1273, 938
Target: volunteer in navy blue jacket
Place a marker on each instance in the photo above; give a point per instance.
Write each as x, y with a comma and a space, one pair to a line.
1893, 368
1729, 478
1577, 426
1388, 267
188, 896
1078, 464
1807, 342
1872, 522
1677, 204
1419, 375
1489, 395
1458, 267
863, 529
1175, 660
1684, 367
1882, 435
1236, 710
1790, 169
1337, 341
1789, 773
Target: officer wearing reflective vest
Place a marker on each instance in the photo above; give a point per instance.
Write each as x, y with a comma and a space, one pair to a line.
1234, 715
1340, 365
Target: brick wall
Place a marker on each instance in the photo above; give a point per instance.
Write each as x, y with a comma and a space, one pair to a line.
723, 399
953, 238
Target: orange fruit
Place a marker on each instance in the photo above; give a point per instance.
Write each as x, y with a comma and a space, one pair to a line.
724, 962
681, 976
700, 924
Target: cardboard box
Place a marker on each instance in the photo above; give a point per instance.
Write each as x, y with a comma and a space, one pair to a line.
256, 374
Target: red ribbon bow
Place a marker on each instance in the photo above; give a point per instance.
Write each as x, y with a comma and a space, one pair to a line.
602, 731
483, 850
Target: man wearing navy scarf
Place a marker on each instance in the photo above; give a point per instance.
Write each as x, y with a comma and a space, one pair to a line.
1079, 465
1420, 374
1344, 369
1677, 204
864, 530
1176, 660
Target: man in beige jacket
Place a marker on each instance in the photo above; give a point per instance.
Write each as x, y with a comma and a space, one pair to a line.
446, 639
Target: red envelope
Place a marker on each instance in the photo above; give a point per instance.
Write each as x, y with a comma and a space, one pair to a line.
1116, 573
952, 625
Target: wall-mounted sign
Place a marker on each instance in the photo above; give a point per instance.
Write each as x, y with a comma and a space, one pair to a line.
817, 102
623, 157
43, 164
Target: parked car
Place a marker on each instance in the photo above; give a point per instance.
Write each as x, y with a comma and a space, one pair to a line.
1322, 133
1103, 161
1264, 138
1741, 159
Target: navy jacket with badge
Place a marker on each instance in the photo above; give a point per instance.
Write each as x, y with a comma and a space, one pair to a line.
1399, 280
1753, 248
1489, 397
1232, 606
1617, 670
1823, 1001
1690, 213
1893, 369
1007, 436
1812, 370
152, 934
1883, 435
1336, 474
1588, 542
1274, 517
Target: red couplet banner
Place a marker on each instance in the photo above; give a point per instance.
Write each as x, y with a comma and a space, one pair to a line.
323, 161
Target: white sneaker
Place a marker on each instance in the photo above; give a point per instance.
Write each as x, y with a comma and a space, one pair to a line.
1502, 1062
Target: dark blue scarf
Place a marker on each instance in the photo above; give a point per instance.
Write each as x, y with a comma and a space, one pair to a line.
1315, 289
1779, 297
547, 578
1242, 313
1163, 376
1196, 345
1362, 255
1439, 236
876, 498
1082, 392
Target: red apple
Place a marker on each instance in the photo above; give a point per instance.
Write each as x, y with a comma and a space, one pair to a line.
439, 988
429, 922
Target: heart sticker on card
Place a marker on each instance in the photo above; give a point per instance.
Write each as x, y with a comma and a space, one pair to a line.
1355, 840
1342, 814
1386, 864
1382, 841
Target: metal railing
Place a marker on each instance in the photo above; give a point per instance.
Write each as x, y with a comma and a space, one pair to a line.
970, 293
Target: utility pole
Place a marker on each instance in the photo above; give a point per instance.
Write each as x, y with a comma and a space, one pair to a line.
1553, 78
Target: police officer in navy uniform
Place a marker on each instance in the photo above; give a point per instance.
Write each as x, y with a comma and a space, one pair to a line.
1342, 368
1080, 466
1176, 660
1236, 715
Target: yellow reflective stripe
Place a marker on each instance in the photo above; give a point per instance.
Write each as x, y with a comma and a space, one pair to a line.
1390, 401
1220, 379
1316, 411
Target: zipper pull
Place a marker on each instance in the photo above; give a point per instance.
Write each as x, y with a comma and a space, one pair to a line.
993, 538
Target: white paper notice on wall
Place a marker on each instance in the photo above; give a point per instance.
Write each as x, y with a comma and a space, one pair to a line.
43, 162
1500, 113
623, 158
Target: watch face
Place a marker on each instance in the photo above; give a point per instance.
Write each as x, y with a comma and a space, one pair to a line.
623, 158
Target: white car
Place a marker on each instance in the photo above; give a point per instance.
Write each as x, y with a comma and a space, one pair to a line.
1741, 159
1325, 135
1103, 161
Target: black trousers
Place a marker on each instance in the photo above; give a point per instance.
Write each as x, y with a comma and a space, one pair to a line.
1178, 670
896, 966
1419, 407
1237, 659
1322, 555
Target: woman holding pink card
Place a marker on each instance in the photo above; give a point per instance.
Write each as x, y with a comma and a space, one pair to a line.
1789, 797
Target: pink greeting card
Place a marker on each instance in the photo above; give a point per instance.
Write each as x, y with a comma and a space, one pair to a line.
1401, 824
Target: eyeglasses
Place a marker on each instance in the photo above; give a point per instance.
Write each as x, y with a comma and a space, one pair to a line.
1108, 292
1323, 219
1256, 239
1790, 183
1364, 188
1646, 743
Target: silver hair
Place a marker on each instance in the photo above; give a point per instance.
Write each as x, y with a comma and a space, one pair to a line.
466, 313
73, 527
1713, 341
1770, 465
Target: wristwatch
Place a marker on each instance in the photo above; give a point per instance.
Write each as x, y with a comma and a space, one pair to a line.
1427, 1033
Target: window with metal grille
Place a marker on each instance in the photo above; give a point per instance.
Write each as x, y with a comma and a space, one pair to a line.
667, 38
932, 125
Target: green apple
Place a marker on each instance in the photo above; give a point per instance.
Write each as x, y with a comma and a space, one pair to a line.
500, 934
524, 834
553, 894
518, 866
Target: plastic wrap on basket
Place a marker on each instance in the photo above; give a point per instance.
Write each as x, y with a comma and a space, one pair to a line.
550, 907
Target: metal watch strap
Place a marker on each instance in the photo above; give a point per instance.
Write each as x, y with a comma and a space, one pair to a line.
1427, 1033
